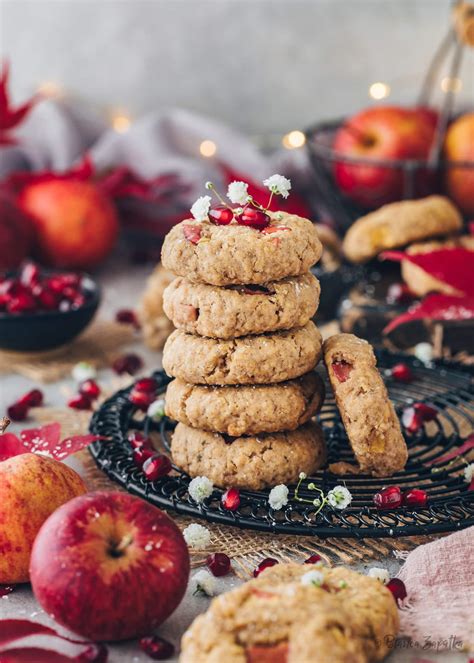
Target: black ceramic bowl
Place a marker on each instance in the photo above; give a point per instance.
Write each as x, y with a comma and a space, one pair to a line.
45, 330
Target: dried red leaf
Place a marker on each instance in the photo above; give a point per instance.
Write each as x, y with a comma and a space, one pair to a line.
436, 307
294, 204
124, 183
454, 266
9, 117
46, 439
466, 446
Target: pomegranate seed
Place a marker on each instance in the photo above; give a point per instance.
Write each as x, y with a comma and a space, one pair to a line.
6, 589
254, 218
96, 653
264, 564
141, 399
141, 455
147, 385
388, 498
415, 497
127, 317
399, 293
90, 388
157, 648
411, 420
218, 564
221, 215
127, 364
313, 559
17, 411
80, 402
33, 398
46, 298
402, 373
139, 441
426, 412
22, 303
230, 500
78, 301
30, 274
4, 299
398, 589
192, 233
156, 466
342, 370
60, 282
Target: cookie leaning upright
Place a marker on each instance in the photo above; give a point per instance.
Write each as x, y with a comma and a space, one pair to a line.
245, 347
367, 413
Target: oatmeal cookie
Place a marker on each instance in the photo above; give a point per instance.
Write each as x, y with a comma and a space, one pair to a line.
282, 617
251, 463
398, 224
233, 255
419, 281
239, 310
366, 411
246, 409
259, 359
156, 327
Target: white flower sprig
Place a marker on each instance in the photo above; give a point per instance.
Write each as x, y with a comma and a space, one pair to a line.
278, 185
82, 371
204, 583
197, 536
338, 497
312, 578
156, 410
237, 193
382, 575
278, 497
200, 209
469, 472
200, 488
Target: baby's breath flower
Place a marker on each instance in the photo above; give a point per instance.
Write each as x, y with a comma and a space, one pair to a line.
200, 488
339, 497
197, 536
315, 578
237, 192
302, 476
424, 352
279, 185
200, 209
379, 574
469, 472
278, 497
83, 371
317, 502
342, 584
209, 186
156, 410
204, 583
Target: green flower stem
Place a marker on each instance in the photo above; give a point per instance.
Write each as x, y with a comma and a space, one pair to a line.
212, 188
311, 486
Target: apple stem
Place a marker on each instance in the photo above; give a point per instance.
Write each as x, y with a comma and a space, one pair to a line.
4, 423
357, 133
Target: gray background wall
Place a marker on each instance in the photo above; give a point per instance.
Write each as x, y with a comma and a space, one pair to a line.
262, 65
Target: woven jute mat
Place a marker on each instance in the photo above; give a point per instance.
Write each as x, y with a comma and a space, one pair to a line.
245, 547
97, 345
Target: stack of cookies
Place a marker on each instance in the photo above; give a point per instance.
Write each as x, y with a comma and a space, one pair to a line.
244, 351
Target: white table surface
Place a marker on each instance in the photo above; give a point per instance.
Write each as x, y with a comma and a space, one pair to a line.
122, 284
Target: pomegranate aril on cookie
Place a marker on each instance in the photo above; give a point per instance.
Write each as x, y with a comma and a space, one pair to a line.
218, 564
388, 498
264, 564
342, 370
221, 215
254, 218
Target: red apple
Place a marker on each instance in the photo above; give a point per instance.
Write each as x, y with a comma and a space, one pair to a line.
109, 566
76, 223
459, 146
384, 132
31, 488
16, 233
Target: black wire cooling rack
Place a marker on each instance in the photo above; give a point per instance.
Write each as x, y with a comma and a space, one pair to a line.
448, 387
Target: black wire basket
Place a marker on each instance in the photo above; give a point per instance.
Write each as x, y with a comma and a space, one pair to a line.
446, 386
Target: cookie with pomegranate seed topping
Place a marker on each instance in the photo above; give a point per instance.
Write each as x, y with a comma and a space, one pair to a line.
239, 310
261, 359
246, 409
249, 462
290, 614
233, 254
367, 413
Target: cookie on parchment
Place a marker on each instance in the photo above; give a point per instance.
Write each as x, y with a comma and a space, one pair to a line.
246, 409
253, 462
398, 224
293, 613
239, 310
232, 255
261, 359
367, 413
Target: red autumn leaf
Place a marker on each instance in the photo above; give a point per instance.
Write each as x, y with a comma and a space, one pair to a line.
83, 171
466, 446
453, 266
9, 117
436, 307
36, 654
124, 183
46, 439
294, 204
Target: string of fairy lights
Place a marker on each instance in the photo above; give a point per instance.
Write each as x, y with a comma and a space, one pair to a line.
121, 120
